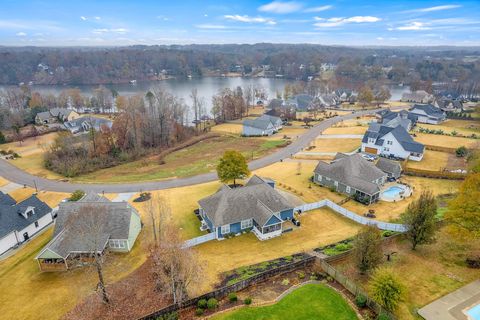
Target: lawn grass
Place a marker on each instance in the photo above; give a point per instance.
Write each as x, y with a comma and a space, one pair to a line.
465, 127
311, 301
446, 141
233, 128
3, 182
432, 160
429, 272
346, 130
335, 145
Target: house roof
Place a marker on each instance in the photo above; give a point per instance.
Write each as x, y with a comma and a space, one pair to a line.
57, 112
378, 131
11, 217
418, 95
429, 109
258, 123
352, 170
6, 199
255, 200
398, 121
76, 231
445, 103
96, 123
44, 115
275, 103
273, 119
389, 166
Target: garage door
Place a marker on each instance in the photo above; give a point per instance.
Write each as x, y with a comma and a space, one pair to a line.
371, 150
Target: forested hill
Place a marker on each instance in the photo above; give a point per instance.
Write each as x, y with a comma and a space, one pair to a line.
94, 65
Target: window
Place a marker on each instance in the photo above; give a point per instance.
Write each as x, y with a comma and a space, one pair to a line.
117, 244
225, 229
348, 189
335, 183
36, 224
246, 224
386, 149
389, 142
319, 177
327, 178
370, 140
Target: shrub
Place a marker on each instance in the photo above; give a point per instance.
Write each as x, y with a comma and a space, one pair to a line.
202, 303
461, 152
199, 312
248, 301
285, 282
301, 275
361, 301
383, 316
232, 297
2, 138
386, 289
212, 303
168, 316
77, 195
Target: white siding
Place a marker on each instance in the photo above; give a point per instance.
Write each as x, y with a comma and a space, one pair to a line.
32, 230
7, 242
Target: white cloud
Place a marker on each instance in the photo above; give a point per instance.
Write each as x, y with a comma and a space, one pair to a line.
437, 8
21, 34
113, 30
248, 19
281, 7
380, 39
83, 18
338, 21
211, 26
318, 9
414, 26
164, 18
98, 18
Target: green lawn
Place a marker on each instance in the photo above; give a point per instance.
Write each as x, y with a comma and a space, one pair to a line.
312, 301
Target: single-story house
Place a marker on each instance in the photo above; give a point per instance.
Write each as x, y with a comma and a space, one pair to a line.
87, 227
391, 142
351, 175
255, 207
20, 221
85, 124
427, 113
264, 125
301, 102
449, 105
419, 96
392, 119
393, 169
55, 115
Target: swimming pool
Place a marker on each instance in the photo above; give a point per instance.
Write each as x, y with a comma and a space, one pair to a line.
474, 313
395, 192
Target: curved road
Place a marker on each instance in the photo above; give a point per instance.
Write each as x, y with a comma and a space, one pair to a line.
16, 175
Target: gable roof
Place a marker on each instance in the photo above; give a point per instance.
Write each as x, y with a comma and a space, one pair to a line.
255, 200
45, 115
352, 170
275, 103
429, 109
273, 119
389, 166
96, 123
258, 123
113, 223
6, 199
11, 218
378, 131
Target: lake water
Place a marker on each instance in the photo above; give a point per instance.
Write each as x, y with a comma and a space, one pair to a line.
182, 88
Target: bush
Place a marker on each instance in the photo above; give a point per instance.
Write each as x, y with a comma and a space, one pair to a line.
199, 312
301, 275
232, 297
461, 152
386, 289
2, 138
168, 316
383, 316
212, 303
76, 195
285, 282
361, 301
248, 301
202, 303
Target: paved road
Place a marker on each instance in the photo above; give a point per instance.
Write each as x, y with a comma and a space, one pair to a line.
14, 174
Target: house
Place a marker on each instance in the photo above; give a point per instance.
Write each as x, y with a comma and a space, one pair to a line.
393, 169
255, 207
391, 142
427, 113
20, 221
351, 175
329, 100
85, 124
279, 109
345, 95
264, 125
89, 226
419, 96
449, 105
55, 115
301, 102
392, 119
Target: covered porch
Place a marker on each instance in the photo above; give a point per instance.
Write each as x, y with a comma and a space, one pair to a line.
366, 198
52, 264
267, 232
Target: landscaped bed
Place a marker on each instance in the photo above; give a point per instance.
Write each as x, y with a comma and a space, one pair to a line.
311, 301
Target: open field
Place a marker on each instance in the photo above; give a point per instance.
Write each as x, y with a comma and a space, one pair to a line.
429, 272
335, 145
432, 160
390, 211
465, 127
233, 128
322, 301
446, 141
346, 130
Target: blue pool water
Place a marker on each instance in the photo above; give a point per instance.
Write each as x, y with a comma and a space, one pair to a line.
474, 313
392, 192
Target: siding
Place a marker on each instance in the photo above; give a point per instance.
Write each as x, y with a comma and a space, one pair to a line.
8, 242
273, 220
286, 214
134, 230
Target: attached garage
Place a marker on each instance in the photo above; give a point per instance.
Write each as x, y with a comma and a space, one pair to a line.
371, 150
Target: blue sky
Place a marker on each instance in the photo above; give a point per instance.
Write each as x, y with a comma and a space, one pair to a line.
121, 22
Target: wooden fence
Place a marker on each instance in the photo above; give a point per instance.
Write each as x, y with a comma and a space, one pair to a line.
353, 288
439, 148
223, 292
434, 174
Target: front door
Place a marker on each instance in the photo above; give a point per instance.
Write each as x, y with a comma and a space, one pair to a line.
25, 236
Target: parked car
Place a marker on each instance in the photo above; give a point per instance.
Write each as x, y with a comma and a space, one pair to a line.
368, 157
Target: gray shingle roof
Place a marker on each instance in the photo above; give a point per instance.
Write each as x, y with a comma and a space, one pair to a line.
75, 231
430, 110
389, 166
273, 119
11, 218
44, 115
5, 199
257, 123
77, 124
378, 131
353, 171
255, 200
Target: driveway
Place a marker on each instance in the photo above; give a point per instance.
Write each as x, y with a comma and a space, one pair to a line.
16, 175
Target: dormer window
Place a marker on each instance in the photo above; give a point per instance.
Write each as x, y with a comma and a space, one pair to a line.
30, 211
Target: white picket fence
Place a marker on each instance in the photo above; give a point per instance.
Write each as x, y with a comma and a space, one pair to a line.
351, 215
199, 240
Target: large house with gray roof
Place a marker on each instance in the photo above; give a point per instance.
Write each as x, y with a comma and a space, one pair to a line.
20, 221
255, 207
419, 96
55, 115
85, 124
265, 125
87, 227
351, 175
392, 119
427, 113
391, 142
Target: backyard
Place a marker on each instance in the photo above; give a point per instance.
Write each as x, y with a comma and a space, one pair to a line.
311, 301
446, 141
464, 127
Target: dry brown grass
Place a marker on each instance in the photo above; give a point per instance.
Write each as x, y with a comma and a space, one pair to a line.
234, 128
432, 160
32, 145
465, 127
3, 182
446, 141
335, 145
346, 130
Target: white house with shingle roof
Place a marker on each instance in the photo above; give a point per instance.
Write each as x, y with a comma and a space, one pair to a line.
265, 125
255, 207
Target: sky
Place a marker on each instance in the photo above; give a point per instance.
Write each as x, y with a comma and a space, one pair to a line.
351, 23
